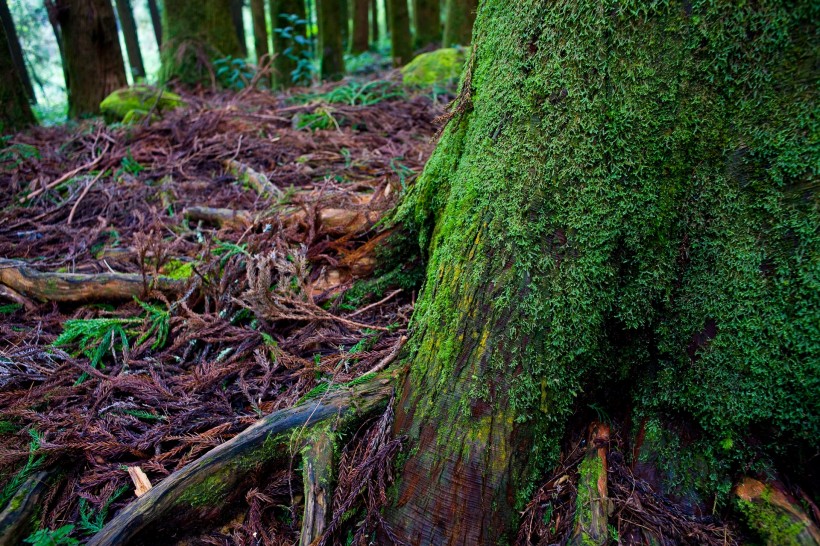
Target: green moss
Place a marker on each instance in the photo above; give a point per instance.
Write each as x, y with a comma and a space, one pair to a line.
771, 523
211, 492
131, 102
438, 67
177, 269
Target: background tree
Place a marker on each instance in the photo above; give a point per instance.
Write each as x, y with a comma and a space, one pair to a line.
458, 22
129, 32
260, 29
194, 33
400, 39
15, 112
16, 51
287, 49
361, 26
239, 25
156, 20
93, 60
332, 65
427, 15
374, 20
624, 223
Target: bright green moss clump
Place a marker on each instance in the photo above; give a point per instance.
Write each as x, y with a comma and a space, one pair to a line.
137, 101
438, 67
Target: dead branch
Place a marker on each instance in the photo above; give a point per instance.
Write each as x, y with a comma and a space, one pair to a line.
228, 462
219, 216
16, 521
317, 475
258, 181
75, 287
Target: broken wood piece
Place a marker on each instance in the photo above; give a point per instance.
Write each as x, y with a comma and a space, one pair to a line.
317, 475
774, 514
17, 519
592, 501
16, 297
77, 287
219, 216
141, 482
210, 481
258, 181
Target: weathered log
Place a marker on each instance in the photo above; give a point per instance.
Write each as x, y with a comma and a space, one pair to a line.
77, 287
219, 216
209, 480
16, 520
317, 475
258, 181
775, 515
592, 502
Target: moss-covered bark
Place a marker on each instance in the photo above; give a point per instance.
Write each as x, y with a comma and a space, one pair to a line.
195, 32
260, 29
330, 39
361, 26
15, 112
458, 22
286, 48
427, 19
92, 57
400, 39
624, 211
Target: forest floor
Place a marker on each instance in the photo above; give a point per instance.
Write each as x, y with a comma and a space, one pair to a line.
137, 323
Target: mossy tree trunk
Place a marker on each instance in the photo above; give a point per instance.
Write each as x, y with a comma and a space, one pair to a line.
16, 51
132, 43
332, 65
623, 212
361, 24
239, 25
195, 32
93, 60
458, 22
427, 15
286, 49
374, 20
400, 39
156, 20
260, 29
15, 112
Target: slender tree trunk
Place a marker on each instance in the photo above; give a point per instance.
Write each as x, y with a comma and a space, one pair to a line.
400, 40
344, 23
93, 60
427, 14
360, 26
611, 221
15, 112
132, 44
458, 22
239, 25
16, 51
286, 49
374, 20
260, 29
156, 20
194, 33
330, 39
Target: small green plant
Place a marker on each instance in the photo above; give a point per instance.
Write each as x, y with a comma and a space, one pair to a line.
299, 47
32, 463
9, 308
233, 73
92, 521
159, 324
95, 338
321, 118
12, 155
355, 93
57, 537
129, 165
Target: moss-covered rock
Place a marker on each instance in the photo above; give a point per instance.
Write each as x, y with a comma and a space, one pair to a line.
134, 103
437, 67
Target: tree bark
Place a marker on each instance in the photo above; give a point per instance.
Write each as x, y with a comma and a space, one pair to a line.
400, 40
15, 112
458, 22
194, 33
427, 15
595, 208
260, 29
16, 51
374, 20
287, 50
132, 44
361, 26
330, 39
156, 20
93, 60
239, 25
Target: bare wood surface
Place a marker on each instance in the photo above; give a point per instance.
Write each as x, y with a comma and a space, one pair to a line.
317, 474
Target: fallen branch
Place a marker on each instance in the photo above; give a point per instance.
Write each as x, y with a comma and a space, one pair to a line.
220, 217
215, 474
75, 287
65, 177
258, 181
16, 521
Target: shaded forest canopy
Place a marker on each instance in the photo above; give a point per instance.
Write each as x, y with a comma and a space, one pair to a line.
314, 278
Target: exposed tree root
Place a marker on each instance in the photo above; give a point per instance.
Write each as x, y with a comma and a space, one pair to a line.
592, 500
208, 479
775, 515
78, 287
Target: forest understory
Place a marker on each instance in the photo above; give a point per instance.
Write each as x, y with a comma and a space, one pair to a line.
233, 267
